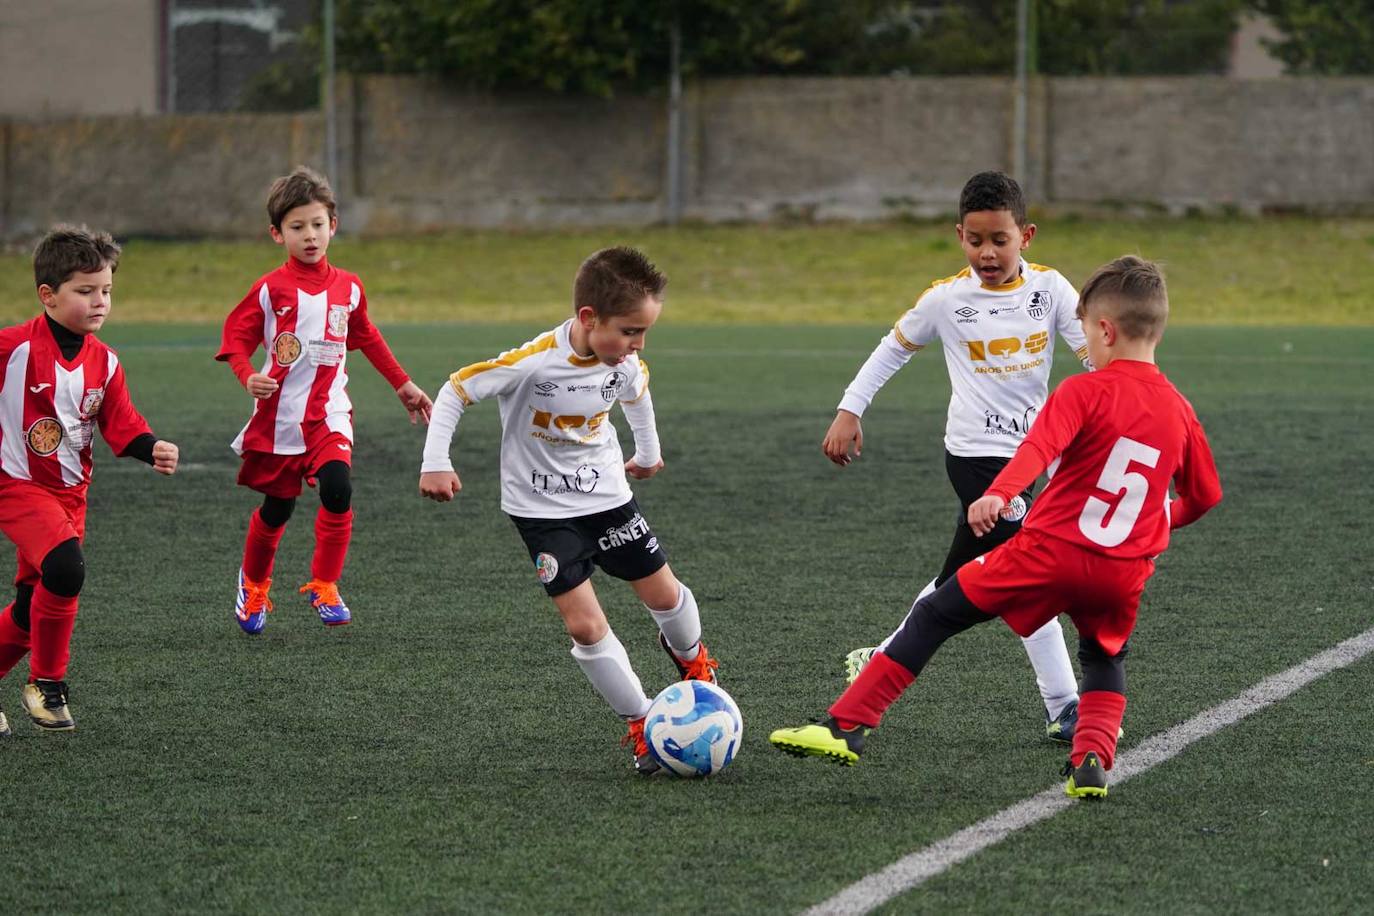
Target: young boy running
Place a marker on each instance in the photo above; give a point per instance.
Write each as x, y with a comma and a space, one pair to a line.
307, 314
59, 383
1113, 439
563, 474
997, 319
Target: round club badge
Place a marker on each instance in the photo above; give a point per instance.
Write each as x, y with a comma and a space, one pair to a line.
1015, 510
546, 566
44, 436
287, 348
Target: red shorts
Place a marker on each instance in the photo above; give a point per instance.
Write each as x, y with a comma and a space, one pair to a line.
281, 475
1033, 578
37, 519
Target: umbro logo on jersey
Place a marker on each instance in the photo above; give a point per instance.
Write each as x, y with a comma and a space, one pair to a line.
546, 389
966, 315
281, 312
37, 388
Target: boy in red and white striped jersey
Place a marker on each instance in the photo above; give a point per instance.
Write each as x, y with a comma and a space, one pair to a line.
1112, 441
59, 383
307, 314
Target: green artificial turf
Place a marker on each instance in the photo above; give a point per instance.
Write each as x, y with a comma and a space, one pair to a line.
444, 753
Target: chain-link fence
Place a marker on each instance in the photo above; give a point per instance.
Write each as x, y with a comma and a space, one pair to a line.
242, 55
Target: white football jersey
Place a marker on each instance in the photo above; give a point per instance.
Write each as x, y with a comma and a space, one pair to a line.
560, 456
999, 347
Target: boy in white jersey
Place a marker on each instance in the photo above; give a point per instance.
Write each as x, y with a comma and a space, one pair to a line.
997, 319
563, 474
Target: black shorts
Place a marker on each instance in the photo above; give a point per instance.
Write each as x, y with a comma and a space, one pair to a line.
564, 549
971, 478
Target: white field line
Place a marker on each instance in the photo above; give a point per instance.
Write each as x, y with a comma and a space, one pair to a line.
912, 870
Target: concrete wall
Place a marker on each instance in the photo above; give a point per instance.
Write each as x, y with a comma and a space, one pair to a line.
75, 57
416, 155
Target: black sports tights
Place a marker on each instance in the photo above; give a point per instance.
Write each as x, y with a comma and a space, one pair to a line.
336, 495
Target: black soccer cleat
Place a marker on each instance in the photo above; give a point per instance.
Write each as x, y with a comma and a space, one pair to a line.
1087, 780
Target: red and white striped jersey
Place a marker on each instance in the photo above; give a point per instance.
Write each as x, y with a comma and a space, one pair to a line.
307, 317
50, 406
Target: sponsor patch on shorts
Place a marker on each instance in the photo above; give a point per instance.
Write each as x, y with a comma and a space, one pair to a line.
546, 566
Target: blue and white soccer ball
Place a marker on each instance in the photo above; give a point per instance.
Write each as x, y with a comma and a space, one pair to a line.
693, 728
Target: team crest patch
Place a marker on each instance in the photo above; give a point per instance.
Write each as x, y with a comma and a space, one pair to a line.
338, 320
546, 566
91, 402
44, 436
1040, 303
612, 383
1015, 510
286, 348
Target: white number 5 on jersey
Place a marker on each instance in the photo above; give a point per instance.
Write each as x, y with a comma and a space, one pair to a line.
1117, 478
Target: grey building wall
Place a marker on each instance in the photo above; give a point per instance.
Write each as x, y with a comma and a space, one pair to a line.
416, 155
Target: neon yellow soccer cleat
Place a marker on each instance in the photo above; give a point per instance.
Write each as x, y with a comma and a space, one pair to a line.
1087, 780
822, 739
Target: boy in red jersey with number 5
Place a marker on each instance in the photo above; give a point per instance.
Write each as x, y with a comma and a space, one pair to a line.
307, 314
1112, 440
58, 382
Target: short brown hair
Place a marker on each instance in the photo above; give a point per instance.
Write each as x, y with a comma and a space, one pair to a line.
301, 187
68, 250
1131, 291
615, 281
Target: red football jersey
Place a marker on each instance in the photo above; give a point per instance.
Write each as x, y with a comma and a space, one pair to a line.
50, 406
307, 317
1113, 440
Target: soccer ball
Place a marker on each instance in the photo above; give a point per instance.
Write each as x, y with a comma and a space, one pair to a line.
693, 728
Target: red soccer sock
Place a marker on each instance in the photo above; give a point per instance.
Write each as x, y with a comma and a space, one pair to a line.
14, 642
52, 618
260, 549
878, 686
333, 531
1099, 722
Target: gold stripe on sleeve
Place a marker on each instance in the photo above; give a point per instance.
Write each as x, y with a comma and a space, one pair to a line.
509, 358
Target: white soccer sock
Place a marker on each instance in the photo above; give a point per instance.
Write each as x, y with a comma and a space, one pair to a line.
1053, 671
681, 625
925, 593
608, 668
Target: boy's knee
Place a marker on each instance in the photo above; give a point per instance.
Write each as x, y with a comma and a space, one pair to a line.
276, 511
336, 487
64, 569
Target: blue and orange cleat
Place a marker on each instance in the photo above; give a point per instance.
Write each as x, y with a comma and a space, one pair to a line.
252, 604
324, 597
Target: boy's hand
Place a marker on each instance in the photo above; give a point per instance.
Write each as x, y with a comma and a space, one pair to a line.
642, 473
165, 456
440, 486
983, 514
844, 429
416, 402
261, 386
